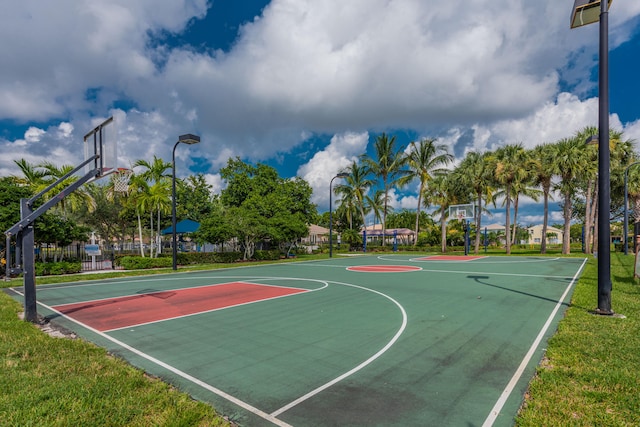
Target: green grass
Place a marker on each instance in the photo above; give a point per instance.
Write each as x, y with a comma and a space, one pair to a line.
49, 381
591, 373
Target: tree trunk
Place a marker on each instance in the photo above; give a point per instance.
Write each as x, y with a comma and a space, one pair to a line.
545, 221
140, 233
507, 226
515, 220
443, 230
566, 233
593, 219
589, 211
478, 216
151, 235
420, 190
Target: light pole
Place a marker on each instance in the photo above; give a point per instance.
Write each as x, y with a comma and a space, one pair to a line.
340, 175
586, 12
185, 139
625, 240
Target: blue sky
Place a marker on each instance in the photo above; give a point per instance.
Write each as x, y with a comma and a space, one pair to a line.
305, 85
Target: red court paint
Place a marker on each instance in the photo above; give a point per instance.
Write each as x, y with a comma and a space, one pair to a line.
115, 313
450, 258
383, 268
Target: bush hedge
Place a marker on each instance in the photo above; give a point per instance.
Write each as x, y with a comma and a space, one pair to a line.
56, 268
138, 263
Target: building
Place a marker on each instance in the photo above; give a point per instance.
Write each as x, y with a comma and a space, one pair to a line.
554, 235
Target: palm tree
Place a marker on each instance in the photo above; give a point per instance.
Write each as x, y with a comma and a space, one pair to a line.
375, 204
159, 194
510, 169
135, 199
32, 176
73, 201
40, 176
474, 178
356, 185
388, 166
439, 191
569, 155
425, 160
542, 170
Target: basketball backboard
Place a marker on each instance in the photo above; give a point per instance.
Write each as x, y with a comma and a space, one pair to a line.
102, 141
462, 212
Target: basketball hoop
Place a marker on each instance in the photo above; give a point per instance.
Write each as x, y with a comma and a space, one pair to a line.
120, 180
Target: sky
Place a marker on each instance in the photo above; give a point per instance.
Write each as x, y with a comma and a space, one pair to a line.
305, 85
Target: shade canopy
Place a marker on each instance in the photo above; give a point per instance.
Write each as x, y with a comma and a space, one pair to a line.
182, 227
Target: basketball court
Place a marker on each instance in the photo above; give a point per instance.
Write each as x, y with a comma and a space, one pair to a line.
385, 340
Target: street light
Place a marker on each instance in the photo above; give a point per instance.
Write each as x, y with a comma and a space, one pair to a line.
586, 12
625, 240
184, 139
340, 175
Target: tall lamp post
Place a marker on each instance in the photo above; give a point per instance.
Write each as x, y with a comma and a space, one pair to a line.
587, 12
340, 175
626, 209
184, 139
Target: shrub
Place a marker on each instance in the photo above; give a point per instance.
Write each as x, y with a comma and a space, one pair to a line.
267, 255
57, 268
138, 263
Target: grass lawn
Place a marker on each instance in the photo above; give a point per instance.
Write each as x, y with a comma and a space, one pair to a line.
591, 373
590, 376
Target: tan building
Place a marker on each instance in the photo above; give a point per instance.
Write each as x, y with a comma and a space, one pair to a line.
554, 235
317, 236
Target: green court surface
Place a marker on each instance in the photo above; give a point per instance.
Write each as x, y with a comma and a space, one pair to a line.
448, 342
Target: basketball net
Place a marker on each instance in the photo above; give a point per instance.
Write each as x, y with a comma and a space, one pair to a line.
121, 180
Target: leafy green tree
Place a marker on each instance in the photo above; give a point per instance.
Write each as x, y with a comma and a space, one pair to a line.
258, 205
10, 194
52, 229
193, 198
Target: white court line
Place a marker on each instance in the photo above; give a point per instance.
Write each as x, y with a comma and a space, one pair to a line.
199, 286
360, 366
273, 416
493, 415
218, 309
176, 371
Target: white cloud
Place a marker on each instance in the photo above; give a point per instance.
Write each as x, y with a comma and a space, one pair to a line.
339, 154
479, 73
215, 181
33, 134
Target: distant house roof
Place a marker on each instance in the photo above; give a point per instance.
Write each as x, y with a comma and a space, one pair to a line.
494, 227
375, 231
317, 230
550, 229
182, 227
